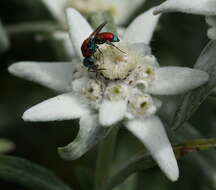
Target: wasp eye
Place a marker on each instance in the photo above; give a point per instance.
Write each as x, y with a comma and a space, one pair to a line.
88, 61
116, 39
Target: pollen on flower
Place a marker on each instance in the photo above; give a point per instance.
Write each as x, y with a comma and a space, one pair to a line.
144, 73
120, 77
93, 91
146, 70
142, 105
117, 65
115, 92
89, 90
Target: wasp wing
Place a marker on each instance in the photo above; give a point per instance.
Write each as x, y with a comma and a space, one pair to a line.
97, 30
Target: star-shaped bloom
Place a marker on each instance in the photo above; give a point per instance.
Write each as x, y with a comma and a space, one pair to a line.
120, 9
122, 91
199, 7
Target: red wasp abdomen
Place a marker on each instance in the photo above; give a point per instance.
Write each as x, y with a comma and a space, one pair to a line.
107, 36
85, 49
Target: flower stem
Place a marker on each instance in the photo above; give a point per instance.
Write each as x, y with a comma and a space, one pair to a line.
105, 158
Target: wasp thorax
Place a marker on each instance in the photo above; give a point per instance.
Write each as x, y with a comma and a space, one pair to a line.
117, 63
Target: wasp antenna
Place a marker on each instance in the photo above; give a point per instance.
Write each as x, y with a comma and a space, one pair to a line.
111, 44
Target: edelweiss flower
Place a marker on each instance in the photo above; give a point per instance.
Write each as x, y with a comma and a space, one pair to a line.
120, 9
123, 91
199, 7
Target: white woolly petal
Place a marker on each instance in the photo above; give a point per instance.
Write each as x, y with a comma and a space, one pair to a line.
62, 107
56, 76
111, 112
64, 37
124, 9
176, 80
79, 29
79, 84
201, 7
88, 122
212, 33
56, 7
157, 102
211, 20
151, 132
142, 28
89, 134
141, 48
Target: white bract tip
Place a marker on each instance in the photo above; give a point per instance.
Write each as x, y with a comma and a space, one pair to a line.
151, 132
142, 28
89, 129
56, 7
201, 7
62, 107
176, 80
56, 76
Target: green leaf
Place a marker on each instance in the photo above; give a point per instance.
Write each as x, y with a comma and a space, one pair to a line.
194, 146
42, 33
192, 100
207, 169
143, 160
6, 146
4, 40
85, 178
29, 175
139, 162
27, 10
187, 132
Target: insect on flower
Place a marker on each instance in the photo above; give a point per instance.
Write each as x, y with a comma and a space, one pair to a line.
91, 45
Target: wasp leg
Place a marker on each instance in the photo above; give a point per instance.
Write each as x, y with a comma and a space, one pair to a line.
102, 69
111, 44
95, 57
101, 54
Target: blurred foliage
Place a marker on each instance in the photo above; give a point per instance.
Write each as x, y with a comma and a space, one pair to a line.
192, 100
143, 160
28, 174
6, 146
178, 40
